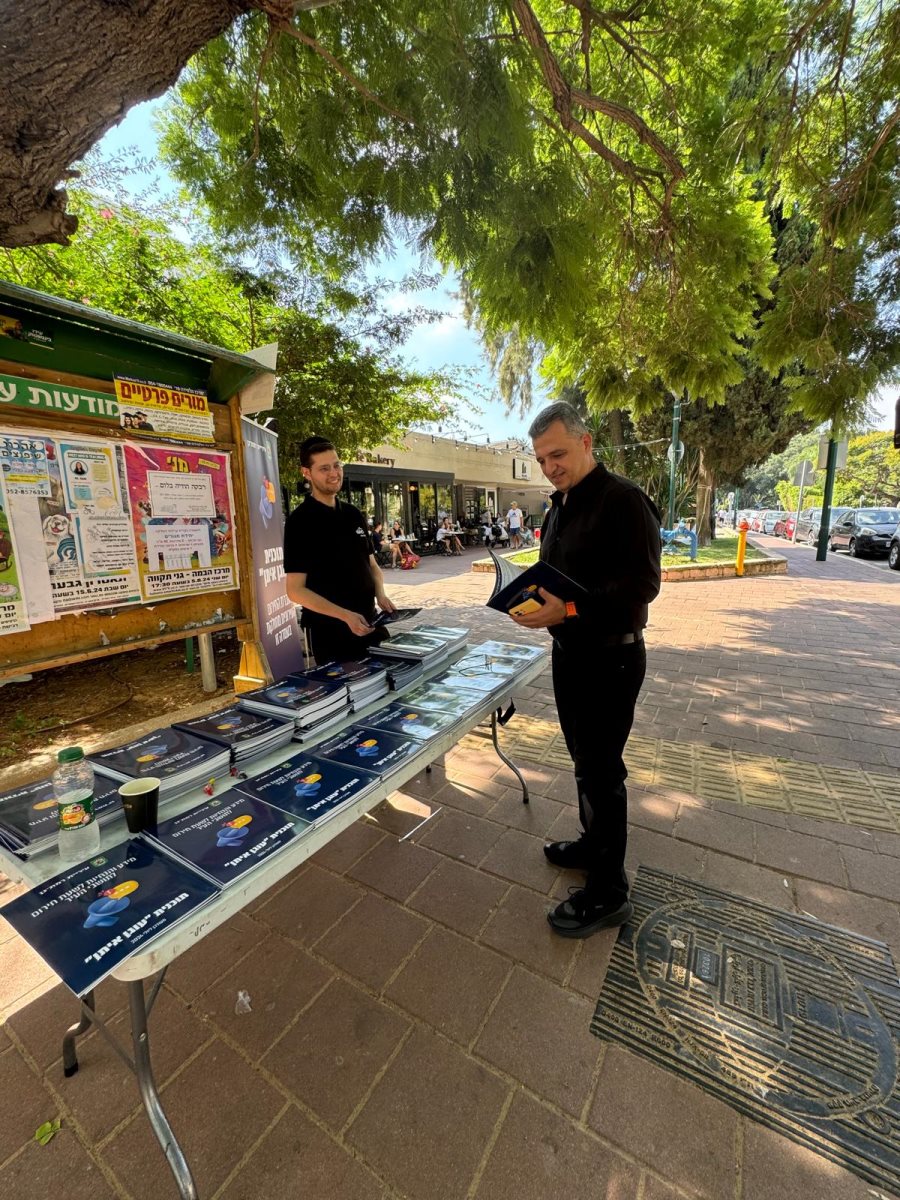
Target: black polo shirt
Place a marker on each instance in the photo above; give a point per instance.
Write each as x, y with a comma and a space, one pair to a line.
331, 547
606, 536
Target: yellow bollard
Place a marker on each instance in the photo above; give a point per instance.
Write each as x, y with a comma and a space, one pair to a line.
742, 548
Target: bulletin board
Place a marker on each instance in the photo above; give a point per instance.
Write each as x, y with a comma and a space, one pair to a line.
119, 527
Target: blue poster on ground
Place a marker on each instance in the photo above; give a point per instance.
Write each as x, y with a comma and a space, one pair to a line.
278, 630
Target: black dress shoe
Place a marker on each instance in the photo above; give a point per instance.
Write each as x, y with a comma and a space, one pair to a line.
579, 916
571, 856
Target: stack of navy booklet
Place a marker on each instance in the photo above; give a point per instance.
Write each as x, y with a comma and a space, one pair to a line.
310, 787
453, 636
366, 679
225, 837
429, 650
370, 749
86, 921
246, 734
409, 721
400, 671
28, 822
308, 701
179, 760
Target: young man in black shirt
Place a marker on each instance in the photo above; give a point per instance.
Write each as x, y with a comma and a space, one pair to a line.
329, 564
603, 532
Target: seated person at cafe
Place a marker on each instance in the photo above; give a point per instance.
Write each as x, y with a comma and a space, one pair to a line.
377, 536
447, 539
400, 547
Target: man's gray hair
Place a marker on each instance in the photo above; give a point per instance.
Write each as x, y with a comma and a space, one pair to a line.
561, 411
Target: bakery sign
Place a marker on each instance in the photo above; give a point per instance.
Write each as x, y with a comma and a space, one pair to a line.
521, 468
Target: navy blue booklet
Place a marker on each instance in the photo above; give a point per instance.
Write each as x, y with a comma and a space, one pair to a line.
166, 754
409, 721
308, 786
351, 671
369, 749
399, 614
226, 836
237, 727
295, 695
87, 920
28, 822
516, 588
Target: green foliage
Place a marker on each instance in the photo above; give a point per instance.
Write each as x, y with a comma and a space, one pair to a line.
871, 476
340, 377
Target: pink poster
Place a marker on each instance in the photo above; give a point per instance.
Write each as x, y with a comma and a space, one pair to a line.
182, 511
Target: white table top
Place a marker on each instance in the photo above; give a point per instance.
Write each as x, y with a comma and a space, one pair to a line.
169, 946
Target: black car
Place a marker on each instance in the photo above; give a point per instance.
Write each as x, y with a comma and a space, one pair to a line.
865, 531
894, 551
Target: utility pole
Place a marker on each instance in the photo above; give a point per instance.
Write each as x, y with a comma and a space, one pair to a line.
825, 524
673, 461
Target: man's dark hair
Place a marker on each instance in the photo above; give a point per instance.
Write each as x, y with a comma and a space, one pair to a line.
313, 445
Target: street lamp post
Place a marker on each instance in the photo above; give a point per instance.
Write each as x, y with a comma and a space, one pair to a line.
673, 461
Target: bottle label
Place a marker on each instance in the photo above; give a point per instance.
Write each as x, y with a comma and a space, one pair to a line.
75, 813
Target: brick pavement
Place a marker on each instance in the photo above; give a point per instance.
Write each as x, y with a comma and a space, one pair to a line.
416, 1032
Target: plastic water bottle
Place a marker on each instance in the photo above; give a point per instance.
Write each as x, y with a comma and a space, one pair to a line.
73, 787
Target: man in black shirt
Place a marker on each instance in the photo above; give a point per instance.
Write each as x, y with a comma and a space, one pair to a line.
603, 532
329, 564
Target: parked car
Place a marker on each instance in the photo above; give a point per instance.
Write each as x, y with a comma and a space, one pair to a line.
865, 531
789, 522
770, 520
894, 551
756, 521
810, 518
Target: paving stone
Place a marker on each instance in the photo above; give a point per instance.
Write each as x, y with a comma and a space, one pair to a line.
41, 1023
103, 1091
298, 1159
217, 1107
428, 1120
459, 896
747, 879
872, 874
718, 831
343, 851
540, 1154
427, 783
874, 918
38, 1172
467, 799
449, 983
650, 849
372, 941
310, 905
590, 967
797, 854
800, 1173
656, 1189
280, 980
395, 868
652, 811
21, 971
520, 857
24, 1104
535, 818
330, 1058
212, 956
662, 1119
461, 836
519, 929
540, 1034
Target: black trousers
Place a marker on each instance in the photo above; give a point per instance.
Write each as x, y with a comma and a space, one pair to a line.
335, 643
596, 689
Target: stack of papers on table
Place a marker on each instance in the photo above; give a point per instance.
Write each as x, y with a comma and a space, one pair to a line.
245, 734
179, 760
226, 837
400, 671
365, 678
310, 787
453, 636
370, 749
308, 701
409, 721
28, 821
86, 921
429, 650
436, 696
525, 654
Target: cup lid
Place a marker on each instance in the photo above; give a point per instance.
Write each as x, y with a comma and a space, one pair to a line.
70, 754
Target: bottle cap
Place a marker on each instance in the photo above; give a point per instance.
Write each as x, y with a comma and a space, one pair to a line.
70, 755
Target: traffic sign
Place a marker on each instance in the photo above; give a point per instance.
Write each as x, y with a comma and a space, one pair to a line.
680, 452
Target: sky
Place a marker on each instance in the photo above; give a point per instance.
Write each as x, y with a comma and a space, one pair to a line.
447, 342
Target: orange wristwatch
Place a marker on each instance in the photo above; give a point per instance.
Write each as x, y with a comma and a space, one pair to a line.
571, 610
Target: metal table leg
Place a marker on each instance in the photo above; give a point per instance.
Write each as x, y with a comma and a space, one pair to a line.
509, 762
69, 1053
150, 1096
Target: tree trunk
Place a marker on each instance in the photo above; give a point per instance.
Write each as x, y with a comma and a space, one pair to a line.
705, 490
617, 437
72, 69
